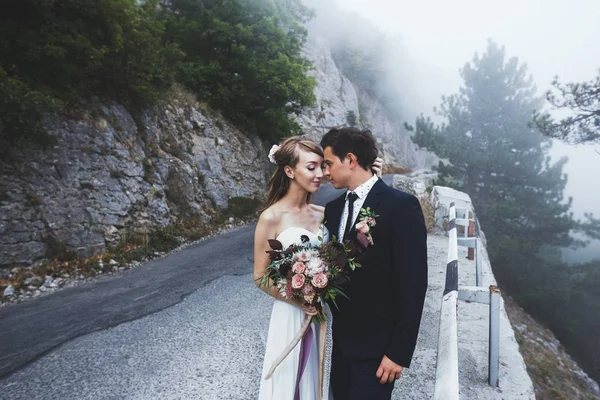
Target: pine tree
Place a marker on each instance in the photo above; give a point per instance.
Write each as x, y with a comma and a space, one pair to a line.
494, 155
583, 99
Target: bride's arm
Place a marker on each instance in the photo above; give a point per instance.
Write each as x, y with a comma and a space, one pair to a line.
266, 229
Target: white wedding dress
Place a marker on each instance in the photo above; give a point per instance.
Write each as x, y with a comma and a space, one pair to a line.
286, 321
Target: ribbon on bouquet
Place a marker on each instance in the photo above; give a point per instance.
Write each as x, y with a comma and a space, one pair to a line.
306, 335
305, 346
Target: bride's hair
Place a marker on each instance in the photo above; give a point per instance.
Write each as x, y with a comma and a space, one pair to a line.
288, 154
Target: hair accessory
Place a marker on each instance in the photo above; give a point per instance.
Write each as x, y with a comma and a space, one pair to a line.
272, 152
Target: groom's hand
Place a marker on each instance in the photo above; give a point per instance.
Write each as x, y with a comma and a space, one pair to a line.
377, 167
388, 371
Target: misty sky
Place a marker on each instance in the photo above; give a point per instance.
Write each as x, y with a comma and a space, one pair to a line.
554, 37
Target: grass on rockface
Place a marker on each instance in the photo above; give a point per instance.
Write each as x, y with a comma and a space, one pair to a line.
240, 208
554, 374
59, 251
164, 239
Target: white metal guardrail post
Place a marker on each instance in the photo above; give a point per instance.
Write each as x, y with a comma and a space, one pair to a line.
446, 374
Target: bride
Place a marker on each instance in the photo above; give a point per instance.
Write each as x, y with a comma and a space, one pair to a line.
287, 216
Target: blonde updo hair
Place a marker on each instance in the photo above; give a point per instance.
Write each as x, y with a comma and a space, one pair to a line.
288, 154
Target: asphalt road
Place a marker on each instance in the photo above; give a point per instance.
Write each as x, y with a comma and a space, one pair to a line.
32, 329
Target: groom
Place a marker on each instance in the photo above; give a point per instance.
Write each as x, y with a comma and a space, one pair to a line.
375, 332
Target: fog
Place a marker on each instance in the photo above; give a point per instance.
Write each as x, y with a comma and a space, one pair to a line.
554, 37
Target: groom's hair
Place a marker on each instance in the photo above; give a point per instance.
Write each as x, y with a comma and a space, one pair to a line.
359, 142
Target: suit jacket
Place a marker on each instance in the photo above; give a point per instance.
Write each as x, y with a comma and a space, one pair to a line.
387, 292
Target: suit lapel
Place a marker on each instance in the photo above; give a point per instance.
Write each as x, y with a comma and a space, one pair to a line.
335, 214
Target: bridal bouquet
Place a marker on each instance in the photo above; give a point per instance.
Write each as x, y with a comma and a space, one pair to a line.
312, 273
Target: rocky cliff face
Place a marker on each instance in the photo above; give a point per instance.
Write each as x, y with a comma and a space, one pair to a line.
337, 95
108, 175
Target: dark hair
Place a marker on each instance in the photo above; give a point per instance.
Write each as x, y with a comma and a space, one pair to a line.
361, 143
288, 154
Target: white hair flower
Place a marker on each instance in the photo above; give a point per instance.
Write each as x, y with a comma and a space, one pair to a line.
272, 152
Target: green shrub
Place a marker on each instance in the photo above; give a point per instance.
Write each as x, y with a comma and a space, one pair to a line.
165, 238
54, 53
244, 58
241, 208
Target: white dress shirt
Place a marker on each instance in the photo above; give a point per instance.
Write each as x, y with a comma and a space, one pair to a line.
362, 191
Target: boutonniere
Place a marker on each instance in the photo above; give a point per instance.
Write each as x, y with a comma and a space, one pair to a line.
367, 221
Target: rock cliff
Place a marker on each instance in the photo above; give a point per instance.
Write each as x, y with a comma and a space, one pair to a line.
108, 175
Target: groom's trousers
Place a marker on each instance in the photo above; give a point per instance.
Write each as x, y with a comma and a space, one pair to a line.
354, 379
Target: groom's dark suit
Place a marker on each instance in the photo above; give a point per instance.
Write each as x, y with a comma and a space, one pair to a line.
386, 294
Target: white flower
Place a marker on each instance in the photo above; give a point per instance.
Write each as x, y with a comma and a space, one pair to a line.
304, 255
315, 266
272, 152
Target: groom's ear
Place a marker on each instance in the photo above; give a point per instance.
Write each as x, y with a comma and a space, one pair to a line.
352, 160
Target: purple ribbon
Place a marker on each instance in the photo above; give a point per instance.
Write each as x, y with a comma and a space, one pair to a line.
305, 346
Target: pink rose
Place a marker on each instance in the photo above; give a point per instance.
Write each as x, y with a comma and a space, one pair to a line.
363, 227
320, 280
370, 221
307, 289
299, 267
298, 281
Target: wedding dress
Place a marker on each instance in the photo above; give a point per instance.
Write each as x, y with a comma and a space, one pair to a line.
286, 321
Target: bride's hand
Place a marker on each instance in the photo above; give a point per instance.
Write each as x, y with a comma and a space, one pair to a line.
309, 310
377, 166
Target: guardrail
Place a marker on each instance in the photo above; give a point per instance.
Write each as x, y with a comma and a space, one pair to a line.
446, 376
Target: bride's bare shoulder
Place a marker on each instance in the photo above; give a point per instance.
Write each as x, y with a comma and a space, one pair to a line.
270, 217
